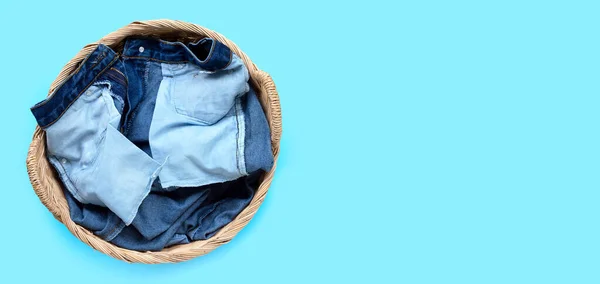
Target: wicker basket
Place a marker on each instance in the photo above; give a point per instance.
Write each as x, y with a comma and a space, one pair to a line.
48, 187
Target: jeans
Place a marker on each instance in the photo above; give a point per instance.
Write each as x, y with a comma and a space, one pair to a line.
161, 118
171, 217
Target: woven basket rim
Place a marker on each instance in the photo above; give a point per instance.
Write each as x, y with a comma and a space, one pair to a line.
49, 189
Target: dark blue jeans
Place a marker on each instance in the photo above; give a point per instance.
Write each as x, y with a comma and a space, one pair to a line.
169, 218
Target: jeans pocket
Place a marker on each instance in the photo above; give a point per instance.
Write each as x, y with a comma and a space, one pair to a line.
207, 97
74, 140
97, 164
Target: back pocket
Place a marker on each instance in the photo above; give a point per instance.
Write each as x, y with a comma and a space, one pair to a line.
75, 141
207, 97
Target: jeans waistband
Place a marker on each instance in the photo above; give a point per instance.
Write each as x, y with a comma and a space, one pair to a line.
207, 53
52, 108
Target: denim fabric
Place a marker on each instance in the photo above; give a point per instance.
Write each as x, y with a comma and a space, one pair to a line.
258, 136
140, 102
197, 124
169, 218
96, 163
182, 113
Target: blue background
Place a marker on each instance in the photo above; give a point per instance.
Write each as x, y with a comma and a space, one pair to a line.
438, 142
